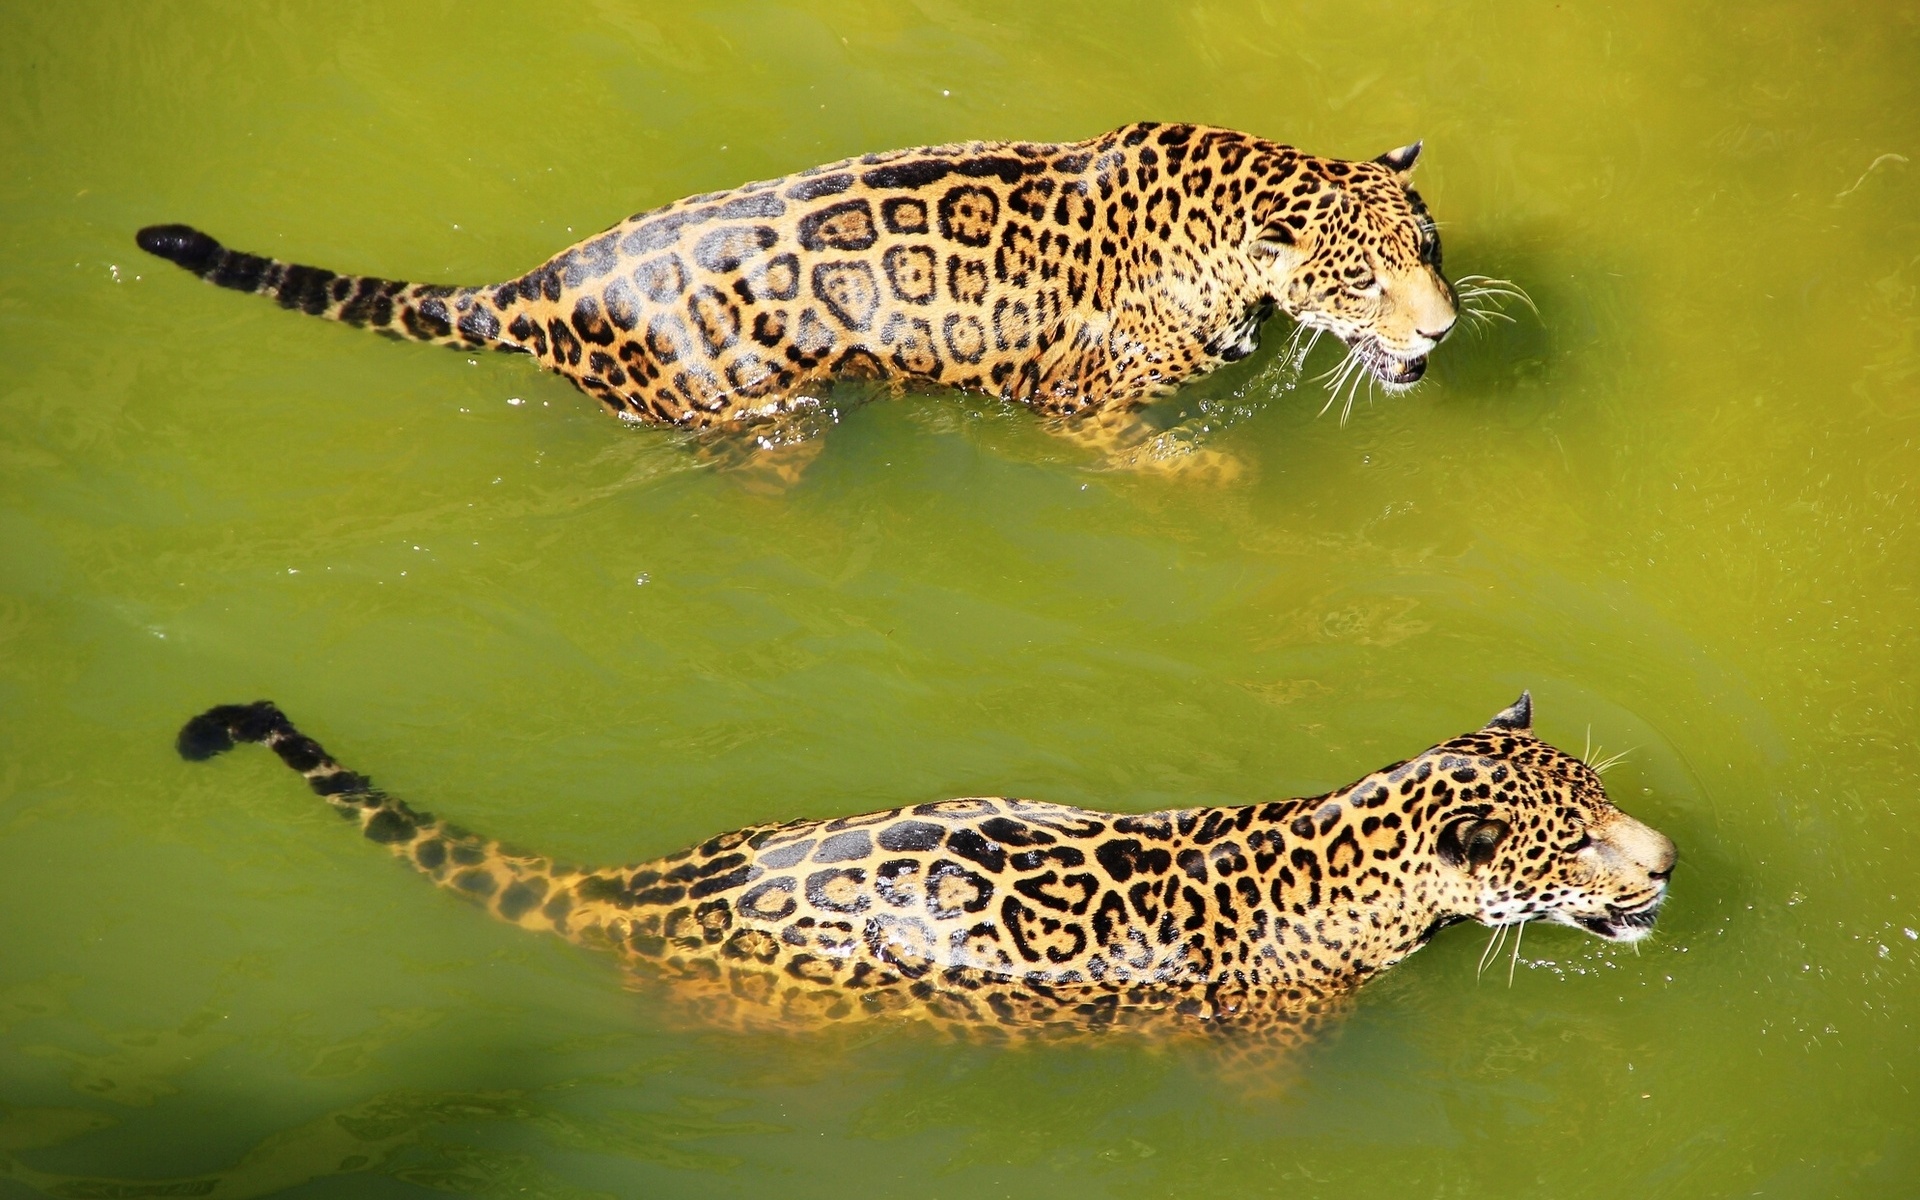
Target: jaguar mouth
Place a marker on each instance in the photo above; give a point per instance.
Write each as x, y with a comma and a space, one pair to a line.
1369, 361
1619, 926
1403, 372
1387, 367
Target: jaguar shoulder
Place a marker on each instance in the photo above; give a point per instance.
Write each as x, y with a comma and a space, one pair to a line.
1020, 918
1073, 278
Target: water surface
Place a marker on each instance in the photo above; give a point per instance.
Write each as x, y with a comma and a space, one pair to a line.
1679, 506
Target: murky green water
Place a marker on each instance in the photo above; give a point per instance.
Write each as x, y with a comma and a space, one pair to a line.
1680, 506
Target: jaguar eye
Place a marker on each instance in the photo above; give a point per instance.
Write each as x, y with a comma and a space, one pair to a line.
1586, 840
1366, 285
1429, 243
1470, 842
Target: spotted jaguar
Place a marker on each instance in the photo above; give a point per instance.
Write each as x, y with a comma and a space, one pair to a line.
1018, 918
1079, 279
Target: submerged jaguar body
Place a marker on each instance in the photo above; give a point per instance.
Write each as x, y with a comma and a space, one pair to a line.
1023, 918
1071, 277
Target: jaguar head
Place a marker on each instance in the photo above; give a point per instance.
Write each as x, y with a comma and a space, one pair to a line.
1347, 249
1524, 832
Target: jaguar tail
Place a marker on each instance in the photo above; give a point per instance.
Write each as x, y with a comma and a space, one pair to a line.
463, 317
523, 889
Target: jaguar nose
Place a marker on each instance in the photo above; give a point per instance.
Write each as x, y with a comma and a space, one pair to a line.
1444, 330
1665, 855
1658, 856
1640, 847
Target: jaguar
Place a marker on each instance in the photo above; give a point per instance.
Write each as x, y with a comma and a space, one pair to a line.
1019, 919
1080, 279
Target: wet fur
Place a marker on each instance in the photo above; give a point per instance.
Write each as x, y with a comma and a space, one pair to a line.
1017, 918
1072, 278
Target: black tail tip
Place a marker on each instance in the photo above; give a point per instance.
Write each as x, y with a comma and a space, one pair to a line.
203, 737
181, 244
215, 731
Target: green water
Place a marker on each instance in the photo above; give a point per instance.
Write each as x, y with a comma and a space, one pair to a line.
1680, 506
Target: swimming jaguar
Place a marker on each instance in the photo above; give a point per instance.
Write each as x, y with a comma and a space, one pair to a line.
1079, 279
1018, 918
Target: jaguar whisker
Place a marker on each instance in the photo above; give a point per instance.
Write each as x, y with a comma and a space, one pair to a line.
1492, 951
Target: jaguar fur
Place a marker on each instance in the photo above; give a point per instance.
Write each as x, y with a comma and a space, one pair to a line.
1073, 278
1017, 918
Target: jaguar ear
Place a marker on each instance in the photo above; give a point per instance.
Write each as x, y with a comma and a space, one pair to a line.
1517, 716
1278, 242
1400, 161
